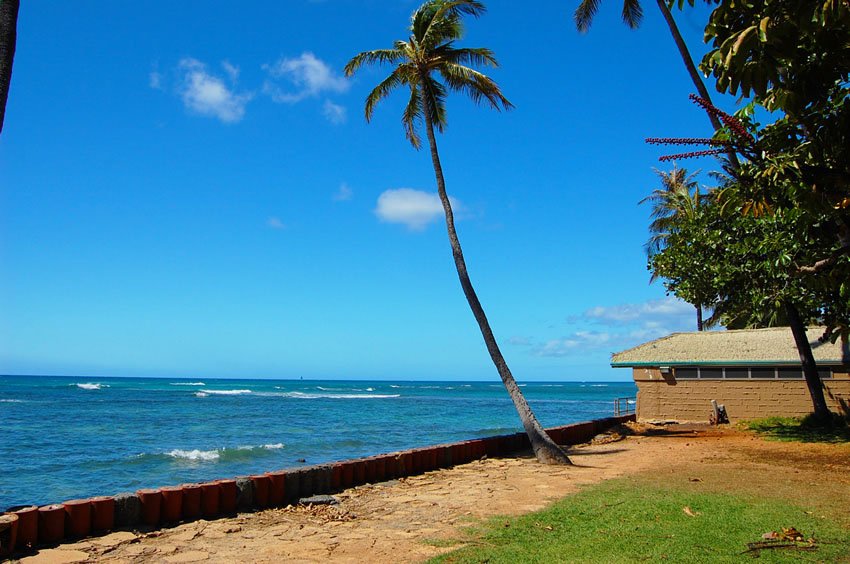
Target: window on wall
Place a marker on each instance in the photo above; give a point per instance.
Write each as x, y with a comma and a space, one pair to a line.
745, 373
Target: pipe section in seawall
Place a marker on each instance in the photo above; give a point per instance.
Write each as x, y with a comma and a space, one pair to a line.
102, 514
77, 518
8, 533
27, 526
172, 504
191, 506
151, 504
51, 523
210, 499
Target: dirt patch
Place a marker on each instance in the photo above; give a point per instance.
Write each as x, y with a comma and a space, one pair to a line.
415, 518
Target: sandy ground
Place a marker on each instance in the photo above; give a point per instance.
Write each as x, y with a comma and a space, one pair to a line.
415, 518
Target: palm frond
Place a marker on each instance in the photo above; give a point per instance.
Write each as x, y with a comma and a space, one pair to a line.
474, 84
584, 14
411, 115
382, 90
465, 56
632, 13
441, 20
434, 102
378, 56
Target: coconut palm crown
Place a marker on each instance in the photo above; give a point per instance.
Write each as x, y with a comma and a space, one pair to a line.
430, 65
430, 52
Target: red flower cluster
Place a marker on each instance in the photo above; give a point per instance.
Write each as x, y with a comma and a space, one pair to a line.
691, 155
733, 123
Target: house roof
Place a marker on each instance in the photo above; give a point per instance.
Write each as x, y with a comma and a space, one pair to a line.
774, 346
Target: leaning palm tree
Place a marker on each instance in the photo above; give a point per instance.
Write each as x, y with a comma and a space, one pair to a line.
677, 202
429, 65
8, 38
632, 15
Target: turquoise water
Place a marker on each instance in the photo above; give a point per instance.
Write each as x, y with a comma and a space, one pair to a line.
70, 437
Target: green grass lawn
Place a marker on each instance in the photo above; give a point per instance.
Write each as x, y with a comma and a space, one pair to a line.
634, 520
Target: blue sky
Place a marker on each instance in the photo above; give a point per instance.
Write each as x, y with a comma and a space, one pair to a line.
189, 188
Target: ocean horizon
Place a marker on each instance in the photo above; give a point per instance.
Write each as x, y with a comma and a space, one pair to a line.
68, 437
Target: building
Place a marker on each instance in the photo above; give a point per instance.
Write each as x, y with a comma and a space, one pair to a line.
753, 372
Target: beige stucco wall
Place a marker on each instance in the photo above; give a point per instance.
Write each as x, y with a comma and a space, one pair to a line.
663, 398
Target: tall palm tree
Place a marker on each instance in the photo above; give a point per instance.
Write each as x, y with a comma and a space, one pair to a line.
8, 39
632, 16
676, 202
430, 65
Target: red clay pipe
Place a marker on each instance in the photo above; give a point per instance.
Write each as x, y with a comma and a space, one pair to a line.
210, 499
102, 514
51, 523
77, 518
27, 526
277, 488
8, 533
151, 501
191, 507
228, 495
172, 504
262, 487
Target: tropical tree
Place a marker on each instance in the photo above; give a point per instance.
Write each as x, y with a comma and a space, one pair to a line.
632, 17
676, 203
430, 65
762, 241
8, 39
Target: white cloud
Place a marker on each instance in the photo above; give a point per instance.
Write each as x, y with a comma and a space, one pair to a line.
334, 113
207, 94
275, 223
413, 208
155, 80
307, 74
231, 70
651, 313
618, 327
344, 194
578, 342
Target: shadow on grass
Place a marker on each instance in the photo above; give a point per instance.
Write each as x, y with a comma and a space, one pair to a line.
804, 430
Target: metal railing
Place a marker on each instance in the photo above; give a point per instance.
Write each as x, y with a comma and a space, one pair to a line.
624, 406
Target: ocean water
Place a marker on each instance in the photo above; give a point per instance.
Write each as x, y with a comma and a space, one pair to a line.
69, 437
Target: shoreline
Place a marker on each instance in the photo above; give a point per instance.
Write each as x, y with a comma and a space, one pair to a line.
153, 508
416, 518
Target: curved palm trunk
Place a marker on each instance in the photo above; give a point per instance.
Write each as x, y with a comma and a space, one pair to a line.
692, 69
544, 447
8, 39
810, 370
700, 325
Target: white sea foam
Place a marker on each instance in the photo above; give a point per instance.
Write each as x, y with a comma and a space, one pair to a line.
187, 384
201, 394
202, 455
91, 386
300, 395
274, 446
11, 401
394, 386
599, 385
226, 392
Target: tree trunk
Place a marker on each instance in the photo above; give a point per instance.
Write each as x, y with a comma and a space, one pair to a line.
810, 369
699, 318
544, 447
8, 39
696, 78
